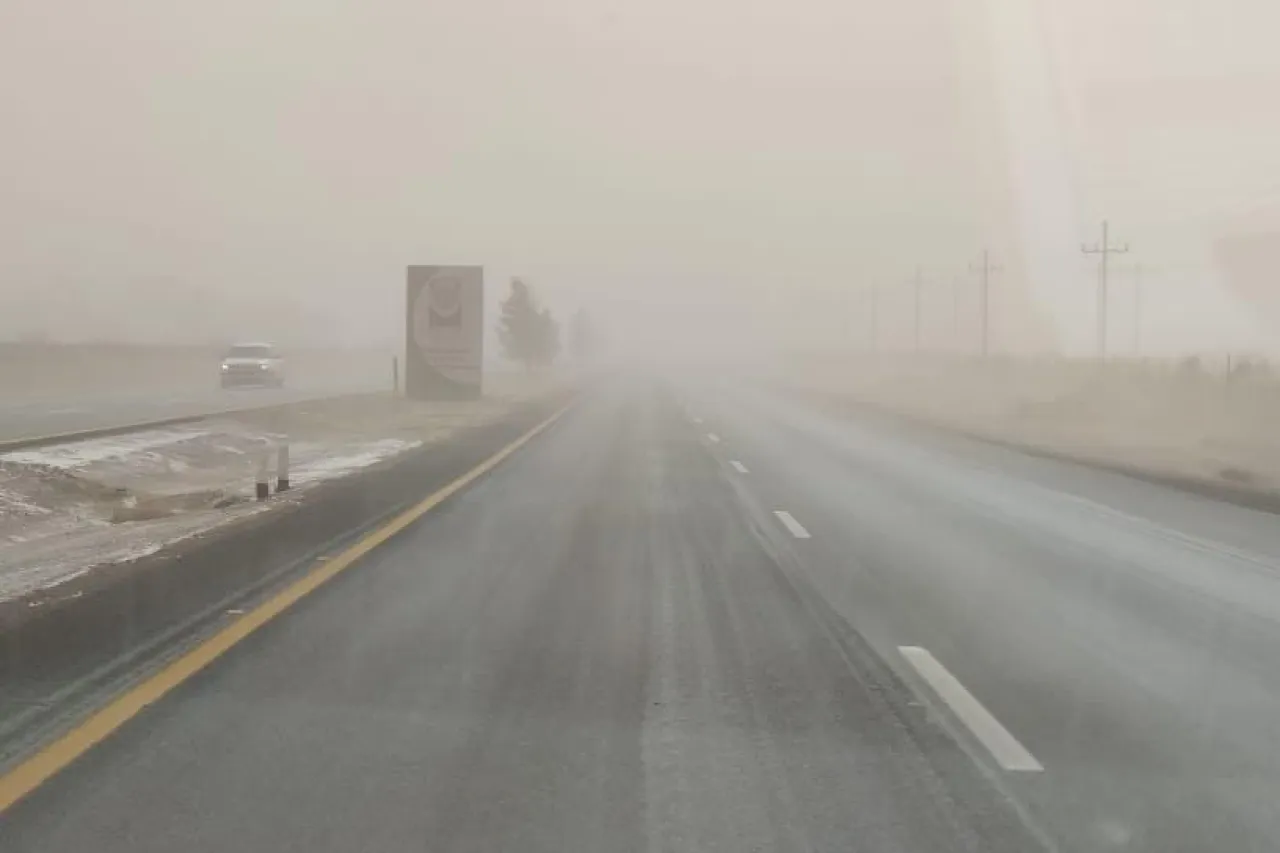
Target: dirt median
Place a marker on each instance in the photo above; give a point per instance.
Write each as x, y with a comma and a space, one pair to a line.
77, 507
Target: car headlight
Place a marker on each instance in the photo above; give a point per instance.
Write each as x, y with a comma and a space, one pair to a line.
226, 367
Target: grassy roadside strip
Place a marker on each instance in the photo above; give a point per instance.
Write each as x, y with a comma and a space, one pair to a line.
1238, 494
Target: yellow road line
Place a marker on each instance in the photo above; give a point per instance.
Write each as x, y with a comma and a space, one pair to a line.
40, 767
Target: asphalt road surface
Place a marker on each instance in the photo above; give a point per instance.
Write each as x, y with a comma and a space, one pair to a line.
600, 647
1126, 635
26, 417
702, 618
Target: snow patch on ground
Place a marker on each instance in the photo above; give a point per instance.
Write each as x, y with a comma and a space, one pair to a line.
49, 561
14, 504
68, 508
326, 465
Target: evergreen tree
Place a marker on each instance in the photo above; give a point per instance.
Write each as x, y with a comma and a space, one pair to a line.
519, 326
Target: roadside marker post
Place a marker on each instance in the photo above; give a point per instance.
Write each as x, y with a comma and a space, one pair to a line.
282, 467
262, 485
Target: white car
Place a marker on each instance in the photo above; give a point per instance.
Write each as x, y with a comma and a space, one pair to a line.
256, 365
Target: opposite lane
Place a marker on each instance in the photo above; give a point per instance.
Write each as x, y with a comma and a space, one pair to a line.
33, 418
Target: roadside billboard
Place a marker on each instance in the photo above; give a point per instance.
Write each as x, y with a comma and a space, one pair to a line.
444, 340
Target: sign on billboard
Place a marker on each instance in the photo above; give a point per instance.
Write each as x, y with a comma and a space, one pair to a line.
445, 332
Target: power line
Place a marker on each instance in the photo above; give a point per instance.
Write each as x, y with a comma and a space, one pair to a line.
1104, 250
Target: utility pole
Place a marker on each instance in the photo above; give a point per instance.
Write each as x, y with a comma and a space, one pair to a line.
955, 312
1105, 250
846, 313
919, 283
873, 316
1137, 309
985, 269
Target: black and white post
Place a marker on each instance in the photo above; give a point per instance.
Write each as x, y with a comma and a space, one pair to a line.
262, 480
282, 466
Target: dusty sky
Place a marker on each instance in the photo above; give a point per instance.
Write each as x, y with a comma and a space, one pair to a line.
685, 168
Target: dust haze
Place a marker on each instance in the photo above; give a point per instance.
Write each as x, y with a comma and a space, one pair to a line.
701, 176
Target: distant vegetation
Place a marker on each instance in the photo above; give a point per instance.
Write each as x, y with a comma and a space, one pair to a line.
529, 334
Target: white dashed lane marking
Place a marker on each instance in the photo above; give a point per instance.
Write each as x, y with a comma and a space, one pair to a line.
999, 741
713, 438
738, 466
796, 528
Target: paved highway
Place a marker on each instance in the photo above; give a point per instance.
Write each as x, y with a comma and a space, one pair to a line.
28, 417
600, 647
1126, 635
702, 618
